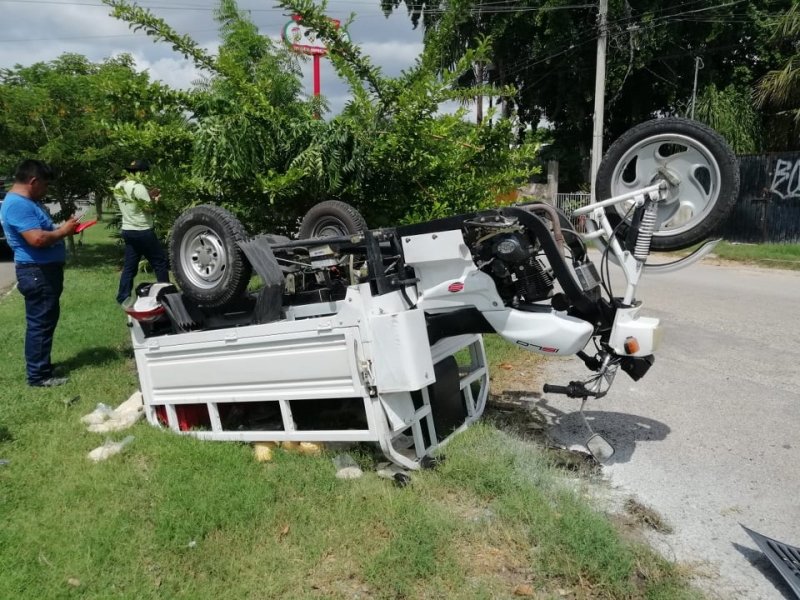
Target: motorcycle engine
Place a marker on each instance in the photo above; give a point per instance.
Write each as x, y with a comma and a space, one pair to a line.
510, 256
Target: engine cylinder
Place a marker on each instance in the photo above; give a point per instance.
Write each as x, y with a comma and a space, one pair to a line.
533, 281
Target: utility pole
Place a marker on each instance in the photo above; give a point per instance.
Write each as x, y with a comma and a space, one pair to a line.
697, 62
599, 92
479, 77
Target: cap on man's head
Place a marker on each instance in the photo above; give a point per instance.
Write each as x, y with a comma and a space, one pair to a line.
138, 165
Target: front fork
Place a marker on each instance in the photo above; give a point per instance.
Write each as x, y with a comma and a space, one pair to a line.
606, 365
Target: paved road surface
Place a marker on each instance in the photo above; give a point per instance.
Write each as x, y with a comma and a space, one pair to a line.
711, 436
7, 277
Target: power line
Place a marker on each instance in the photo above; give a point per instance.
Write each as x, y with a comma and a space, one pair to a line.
91, 37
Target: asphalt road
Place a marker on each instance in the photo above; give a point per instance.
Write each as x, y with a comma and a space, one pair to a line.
709, 438
7, 277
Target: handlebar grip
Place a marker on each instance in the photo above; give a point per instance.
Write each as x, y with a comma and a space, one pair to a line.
556, 389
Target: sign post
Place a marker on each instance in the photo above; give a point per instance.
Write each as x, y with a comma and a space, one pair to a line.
305, 40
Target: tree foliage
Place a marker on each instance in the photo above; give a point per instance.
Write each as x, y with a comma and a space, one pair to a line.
60, 111
546, 49
258, 148
779, 90
732, 114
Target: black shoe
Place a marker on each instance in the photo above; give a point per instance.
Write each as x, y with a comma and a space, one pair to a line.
59, 371
50, 382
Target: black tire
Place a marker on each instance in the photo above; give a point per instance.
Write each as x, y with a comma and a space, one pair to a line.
331, 218
209, 266
721, 160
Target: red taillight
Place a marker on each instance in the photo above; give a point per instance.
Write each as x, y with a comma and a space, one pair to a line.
146, 316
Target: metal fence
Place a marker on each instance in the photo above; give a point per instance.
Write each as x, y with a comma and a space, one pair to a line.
570, 202
768, 208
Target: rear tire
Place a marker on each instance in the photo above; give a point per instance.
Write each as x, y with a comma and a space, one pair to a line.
209, 266
330, 219
706, 169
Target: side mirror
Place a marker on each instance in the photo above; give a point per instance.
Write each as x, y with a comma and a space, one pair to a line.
600, 448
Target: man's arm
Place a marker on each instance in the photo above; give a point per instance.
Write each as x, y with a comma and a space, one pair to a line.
24, 220
40, 238
146, 197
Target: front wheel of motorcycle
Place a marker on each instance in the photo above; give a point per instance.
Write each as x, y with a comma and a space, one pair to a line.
696, 162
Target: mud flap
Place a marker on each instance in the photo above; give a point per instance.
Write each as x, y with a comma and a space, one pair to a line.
447, 404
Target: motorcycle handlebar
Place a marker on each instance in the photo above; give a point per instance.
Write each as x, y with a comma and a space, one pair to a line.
556, 389
575, 389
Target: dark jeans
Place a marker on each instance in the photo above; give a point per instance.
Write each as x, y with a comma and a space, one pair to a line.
137, 244
41, 285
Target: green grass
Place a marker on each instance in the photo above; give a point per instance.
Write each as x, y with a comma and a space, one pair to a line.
779, 256
775, 256
174, 517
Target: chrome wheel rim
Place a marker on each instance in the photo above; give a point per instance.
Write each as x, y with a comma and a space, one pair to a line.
688, 166
203, 257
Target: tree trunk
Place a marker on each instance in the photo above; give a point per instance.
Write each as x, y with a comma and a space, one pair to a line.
97, 200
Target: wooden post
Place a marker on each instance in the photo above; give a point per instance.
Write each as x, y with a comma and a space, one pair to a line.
552, 181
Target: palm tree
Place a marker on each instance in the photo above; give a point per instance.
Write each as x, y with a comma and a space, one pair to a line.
780, 89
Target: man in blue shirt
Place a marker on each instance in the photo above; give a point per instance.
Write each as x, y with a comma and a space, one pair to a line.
39, 256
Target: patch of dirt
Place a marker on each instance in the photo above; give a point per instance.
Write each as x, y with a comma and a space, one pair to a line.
628, 528
500, 565
524, 372
337, 576
646, 516
517, 413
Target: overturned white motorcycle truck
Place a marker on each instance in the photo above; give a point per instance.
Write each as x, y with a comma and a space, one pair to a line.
360, 335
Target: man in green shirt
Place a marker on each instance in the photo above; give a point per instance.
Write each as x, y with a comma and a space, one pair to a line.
140, 238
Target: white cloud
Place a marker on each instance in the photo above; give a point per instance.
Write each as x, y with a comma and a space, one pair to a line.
177, 73
392, 56
44, 31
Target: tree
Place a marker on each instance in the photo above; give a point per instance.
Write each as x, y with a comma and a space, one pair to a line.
546, 49
779, 90
732, 114
60, 112
258, 149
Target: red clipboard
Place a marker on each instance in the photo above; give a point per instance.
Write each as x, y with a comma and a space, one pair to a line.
82, 226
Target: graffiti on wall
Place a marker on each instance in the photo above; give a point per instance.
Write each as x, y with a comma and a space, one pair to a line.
768, 207
786, 179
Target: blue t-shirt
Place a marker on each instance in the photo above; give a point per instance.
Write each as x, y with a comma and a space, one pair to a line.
20, 214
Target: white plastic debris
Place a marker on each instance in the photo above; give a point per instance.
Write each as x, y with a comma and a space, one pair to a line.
98, 415
110, 448
104, 418
346, 467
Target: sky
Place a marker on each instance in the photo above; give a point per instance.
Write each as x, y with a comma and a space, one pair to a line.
41, 30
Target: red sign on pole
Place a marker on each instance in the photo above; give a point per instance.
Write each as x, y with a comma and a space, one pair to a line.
305, 40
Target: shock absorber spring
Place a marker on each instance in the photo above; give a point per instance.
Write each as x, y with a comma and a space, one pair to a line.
646, 229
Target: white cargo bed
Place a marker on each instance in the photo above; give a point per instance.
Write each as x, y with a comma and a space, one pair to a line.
364, 357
